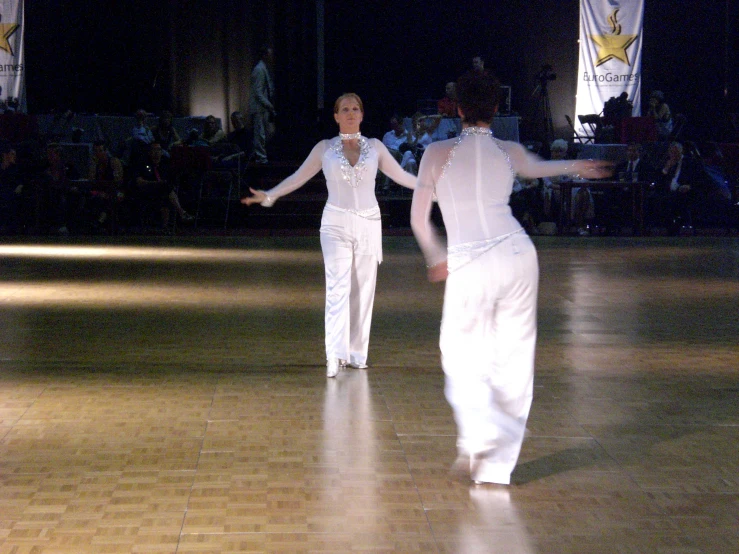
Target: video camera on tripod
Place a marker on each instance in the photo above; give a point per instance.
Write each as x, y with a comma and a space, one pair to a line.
545, 75
543, 109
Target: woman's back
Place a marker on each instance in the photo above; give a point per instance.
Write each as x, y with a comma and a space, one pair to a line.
473, 180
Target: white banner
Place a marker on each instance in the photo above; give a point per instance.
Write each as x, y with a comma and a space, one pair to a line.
12, 70
610, 54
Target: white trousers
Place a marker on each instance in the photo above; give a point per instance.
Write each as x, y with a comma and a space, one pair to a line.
352, 249
488, 338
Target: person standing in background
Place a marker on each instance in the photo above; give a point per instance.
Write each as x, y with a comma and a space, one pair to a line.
261, 104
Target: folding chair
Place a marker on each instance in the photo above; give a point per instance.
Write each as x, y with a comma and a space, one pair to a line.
591, 121
189, 166
219, 184
582, 139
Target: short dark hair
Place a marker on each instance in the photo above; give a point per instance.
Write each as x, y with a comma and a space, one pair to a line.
478, 95
99, 143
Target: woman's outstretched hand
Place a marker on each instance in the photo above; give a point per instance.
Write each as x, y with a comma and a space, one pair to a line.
437, 273
257, 197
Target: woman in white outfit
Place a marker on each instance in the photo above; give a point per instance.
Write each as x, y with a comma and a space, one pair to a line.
488, 329
351, 230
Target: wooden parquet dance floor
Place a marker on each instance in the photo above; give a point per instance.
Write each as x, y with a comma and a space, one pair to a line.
172, 398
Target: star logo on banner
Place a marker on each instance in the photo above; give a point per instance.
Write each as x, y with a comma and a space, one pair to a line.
6, 31
613, 45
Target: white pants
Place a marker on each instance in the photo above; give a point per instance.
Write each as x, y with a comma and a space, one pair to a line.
350, 245
488, 338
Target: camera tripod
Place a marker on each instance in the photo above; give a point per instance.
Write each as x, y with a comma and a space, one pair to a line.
544, 125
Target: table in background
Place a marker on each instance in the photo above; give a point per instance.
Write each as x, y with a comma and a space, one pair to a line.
615, 153
638, 194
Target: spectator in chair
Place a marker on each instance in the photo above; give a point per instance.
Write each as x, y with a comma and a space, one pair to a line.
154, 187
675, 192
142, 137
105, 169
212, 133
660, 111
550, 185
394, 140
165, 133
447, 106
240, 136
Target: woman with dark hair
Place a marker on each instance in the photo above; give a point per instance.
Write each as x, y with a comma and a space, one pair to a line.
351, 230
488, 329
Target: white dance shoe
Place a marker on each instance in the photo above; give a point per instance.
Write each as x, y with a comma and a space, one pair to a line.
483, 471
332, 367
357, 365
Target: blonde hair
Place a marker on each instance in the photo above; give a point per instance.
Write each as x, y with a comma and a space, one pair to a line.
346, 96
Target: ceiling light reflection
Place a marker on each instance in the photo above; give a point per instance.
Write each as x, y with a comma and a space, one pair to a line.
72, 294
157, 253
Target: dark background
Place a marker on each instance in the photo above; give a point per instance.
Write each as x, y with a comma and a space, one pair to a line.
102, 57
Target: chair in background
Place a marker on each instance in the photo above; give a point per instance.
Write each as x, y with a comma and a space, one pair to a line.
677, 127
220, 184
189, 166
582, 139
593, 123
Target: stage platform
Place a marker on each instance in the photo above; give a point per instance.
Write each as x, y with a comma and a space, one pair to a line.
168, 394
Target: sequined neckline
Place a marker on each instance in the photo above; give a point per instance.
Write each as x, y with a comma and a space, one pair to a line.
356, 171
474, 131
478, 131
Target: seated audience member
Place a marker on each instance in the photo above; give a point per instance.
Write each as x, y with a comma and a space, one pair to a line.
447, 106
165, 134
674, 193
618, 200
104, 169
193, 138
212, 134
634, 168
422, 127
11, 191
526, 203
550, 185
717, 197
583, 207
240, 136
154, 188
394, 139
660, 111
235, 147
141, 138
63, 197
